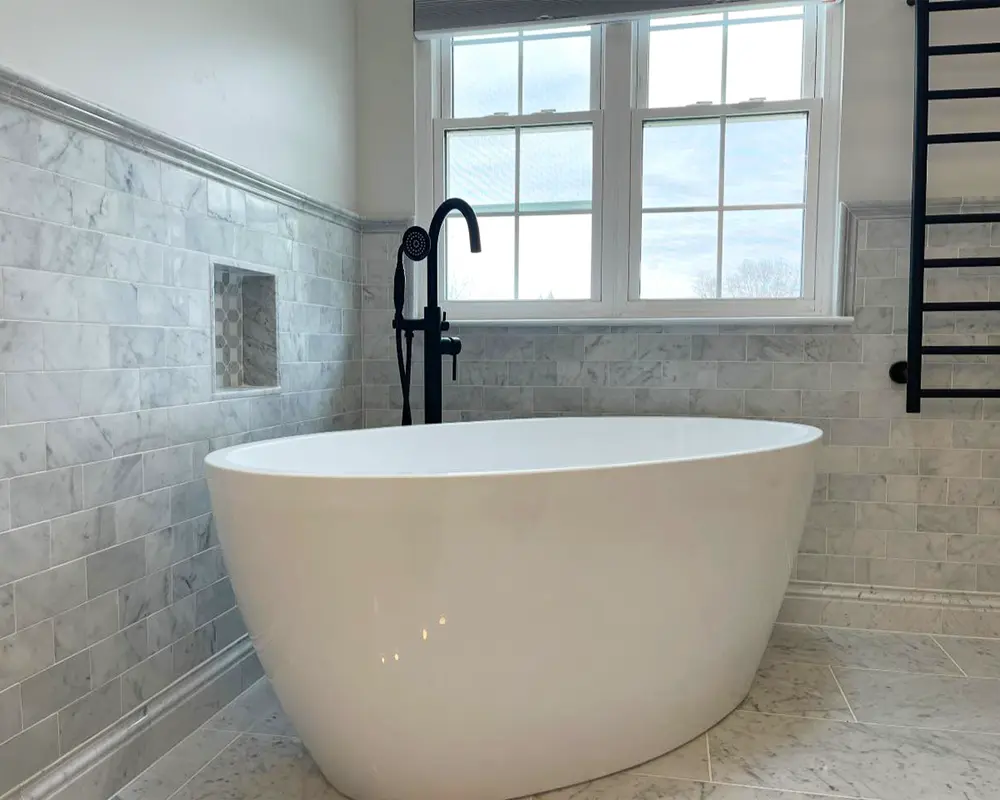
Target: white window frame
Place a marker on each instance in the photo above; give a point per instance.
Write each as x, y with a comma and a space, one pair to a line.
620, 53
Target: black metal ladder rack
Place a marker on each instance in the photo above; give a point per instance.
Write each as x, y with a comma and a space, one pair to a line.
910, 371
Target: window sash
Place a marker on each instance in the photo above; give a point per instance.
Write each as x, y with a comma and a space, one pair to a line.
620, 59
595, 120
813, 110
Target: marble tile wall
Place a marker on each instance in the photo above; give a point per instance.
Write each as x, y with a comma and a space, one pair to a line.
112, 583
901, 501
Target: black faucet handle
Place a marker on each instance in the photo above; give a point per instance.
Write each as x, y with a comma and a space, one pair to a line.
445, 325
452, 346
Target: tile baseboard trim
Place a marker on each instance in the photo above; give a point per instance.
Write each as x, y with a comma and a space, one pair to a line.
152, 729
75, 112
945, 612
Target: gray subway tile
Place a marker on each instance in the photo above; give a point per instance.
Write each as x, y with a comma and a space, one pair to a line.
83, 533
107, 481
58, 686
114, 655
41, 396
4, 503
132, 347
76, 441
24, 551
138, 600
21, 346
183, 190
714, 347
75, 347
197, 573
137, 516
26, 653
171, 624
147, 679
109, 392
29, 295
28, 752
22, 450
45, 495
10, 712
213, 601
42, 596
776, 348
8, 623
85, 625
190, 500
133, 173
176, 386
89, 715
115, 567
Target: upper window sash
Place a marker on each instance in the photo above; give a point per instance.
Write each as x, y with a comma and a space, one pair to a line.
447, 67
725, 21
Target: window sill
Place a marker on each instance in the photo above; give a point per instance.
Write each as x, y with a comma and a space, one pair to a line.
671, 321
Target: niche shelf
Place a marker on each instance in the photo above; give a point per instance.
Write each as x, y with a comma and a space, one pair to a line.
246, 329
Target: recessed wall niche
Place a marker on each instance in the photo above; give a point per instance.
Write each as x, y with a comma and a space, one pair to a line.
246, 329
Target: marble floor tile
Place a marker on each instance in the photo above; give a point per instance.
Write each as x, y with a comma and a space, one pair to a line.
246, 710
800, 690
689, 761
635, 787
260, 768
854, 760
839, 647
980, 658
923, 701
173, 770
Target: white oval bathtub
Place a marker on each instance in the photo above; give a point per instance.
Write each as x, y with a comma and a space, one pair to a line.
489, 610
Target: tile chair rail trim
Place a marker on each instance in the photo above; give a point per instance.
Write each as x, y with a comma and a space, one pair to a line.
940, 598
56, 779
75, 112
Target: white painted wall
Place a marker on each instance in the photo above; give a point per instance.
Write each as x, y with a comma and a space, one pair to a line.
876, 139
877, 112
385, 108
268, 84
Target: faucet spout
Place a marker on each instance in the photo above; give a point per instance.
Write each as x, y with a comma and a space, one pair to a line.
475, 243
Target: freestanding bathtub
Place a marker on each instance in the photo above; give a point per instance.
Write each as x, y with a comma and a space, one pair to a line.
488, 610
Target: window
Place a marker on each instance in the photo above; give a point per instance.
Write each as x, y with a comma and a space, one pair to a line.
670, 167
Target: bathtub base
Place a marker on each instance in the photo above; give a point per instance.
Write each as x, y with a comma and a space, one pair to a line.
494, 635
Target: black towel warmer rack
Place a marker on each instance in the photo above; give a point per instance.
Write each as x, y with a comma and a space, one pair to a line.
910, 371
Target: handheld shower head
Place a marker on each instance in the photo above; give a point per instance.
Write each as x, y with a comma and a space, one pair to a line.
416, 243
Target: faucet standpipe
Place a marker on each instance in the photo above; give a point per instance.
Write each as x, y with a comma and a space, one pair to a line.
417, 245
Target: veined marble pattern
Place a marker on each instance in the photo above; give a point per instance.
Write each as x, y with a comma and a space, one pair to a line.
833, 713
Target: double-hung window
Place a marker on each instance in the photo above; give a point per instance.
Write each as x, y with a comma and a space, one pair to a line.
674, 166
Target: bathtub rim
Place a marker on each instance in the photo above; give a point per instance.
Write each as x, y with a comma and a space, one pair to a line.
221, 459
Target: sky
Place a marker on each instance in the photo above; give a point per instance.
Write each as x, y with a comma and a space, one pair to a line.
765, 160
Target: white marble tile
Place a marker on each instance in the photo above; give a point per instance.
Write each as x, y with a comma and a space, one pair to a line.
26, 653
80, 627
865, 649
70, 152
801, 690
978, 658
246, 710
631, 787
92, 713
853, 760
167, 775
133, 173
924, 701
48, 593
55, 687
260, 768
689, 762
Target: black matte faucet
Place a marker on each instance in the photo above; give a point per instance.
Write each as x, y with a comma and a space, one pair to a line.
418, 245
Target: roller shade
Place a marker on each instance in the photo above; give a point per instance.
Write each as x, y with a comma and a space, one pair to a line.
434, 18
